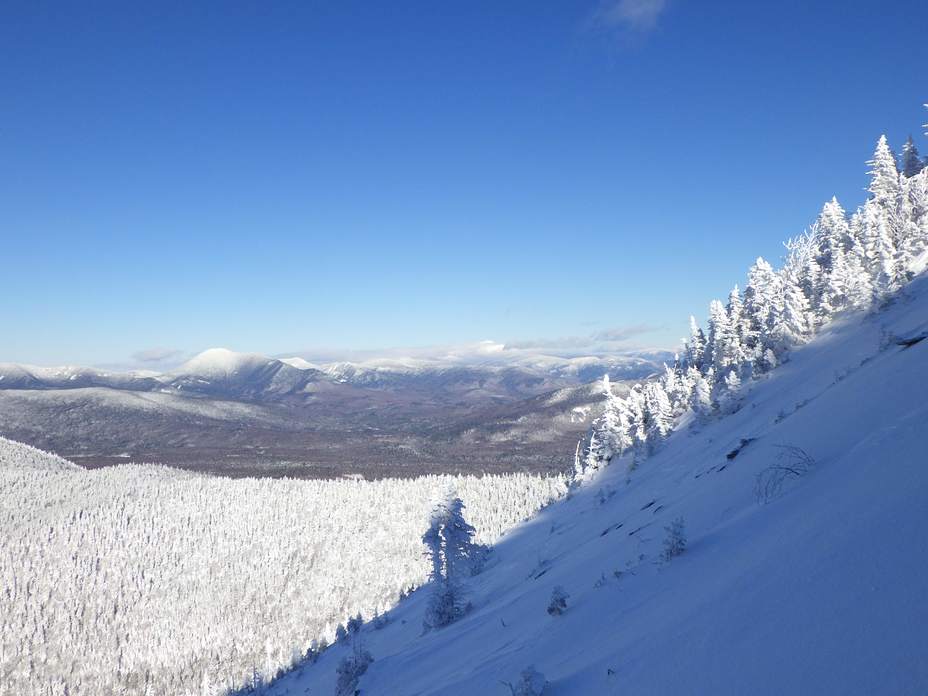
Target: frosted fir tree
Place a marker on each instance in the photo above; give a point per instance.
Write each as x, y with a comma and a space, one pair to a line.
433, 543
557, 605
732, 386
531, 683
635, 407
609, 435
739, 330
349, 671
831, 235
596, 454
341, 635
701, 397
452, 553
614, 424
675, 541
660, 414
911, 161
718, 346
798, 319
763, 307
914, 218
696, 346
458, 536
676, 387
884, 175
885, 265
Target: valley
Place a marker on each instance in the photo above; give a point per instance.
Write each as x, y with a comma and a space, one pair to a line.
239, 415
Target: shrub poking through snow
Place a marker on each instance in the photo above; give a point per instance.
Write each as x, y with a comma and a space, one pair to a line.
558, 603
792, 463
675, 542
531, 683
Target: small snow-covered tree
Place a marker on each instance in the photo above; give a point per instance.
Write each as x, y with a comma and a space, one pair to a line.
453, 556
458, 537
696, 346
349, 671
884, 175
911, 161
531, 683
557, 605
660, 414
341, 635
701, 399
675, 541
732, 384
763, 307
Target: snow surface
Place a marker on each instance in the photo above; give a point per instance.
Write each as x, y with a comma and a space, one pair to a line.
299, 363
821, 590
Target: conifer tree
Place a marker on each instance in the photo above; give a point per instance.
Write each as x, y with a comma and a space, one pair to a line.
884, 175
696, 346
911, 162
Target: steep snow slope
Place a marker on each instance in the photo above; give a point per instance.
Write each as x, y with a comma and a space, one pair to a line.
818, 590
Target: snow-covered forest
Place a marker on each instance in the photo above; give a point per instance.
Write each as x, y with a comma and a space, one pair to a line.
842, 263
141, 579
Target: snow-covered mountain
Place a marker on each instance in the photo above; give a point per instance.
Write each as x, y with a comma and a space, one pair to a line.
242, 413
221, 373
804, 564
224, 374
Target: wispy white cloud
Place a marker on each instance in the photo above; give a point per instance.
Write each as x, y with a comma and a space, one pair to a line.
156, 355
631, 15
612, 341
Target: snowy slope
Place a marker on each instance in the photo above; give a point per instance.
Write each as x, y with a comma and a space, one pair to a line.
819, 590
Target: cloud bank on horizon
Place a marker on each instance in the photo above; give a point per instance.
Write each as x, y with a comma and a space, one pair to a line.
616, 340
603, 343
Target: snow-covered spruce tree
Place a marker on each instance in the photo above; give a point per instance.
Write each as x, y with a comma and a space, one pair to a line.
911, 162
453, 557
696, 346
350, 670
659, 411
840, 264
675, 541
531, 683
557, 605
341, 635
763, 306
609, 436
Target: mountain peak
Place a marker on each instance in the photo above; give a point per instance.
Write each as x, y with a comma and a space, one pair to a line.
221, 361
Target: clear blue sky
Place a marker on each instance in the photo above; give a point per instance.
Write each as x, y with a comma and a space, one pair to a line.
280, 176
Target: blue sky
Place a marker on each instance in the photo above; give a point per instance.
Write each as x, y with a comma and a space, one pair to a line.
276, 177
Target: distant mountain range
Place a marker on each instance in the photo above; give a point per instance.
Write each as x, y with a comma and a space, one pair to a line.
221, 373
244, 413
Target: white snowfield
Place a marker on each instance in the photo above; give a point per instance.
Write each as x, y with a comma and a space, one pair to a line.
818, 590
